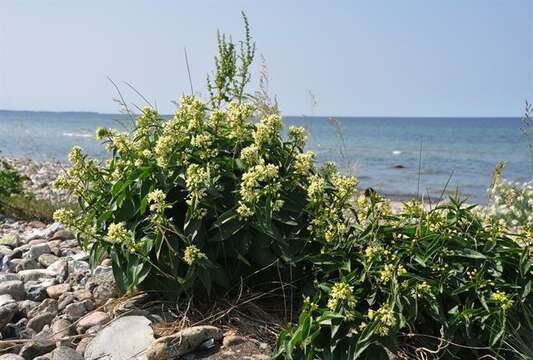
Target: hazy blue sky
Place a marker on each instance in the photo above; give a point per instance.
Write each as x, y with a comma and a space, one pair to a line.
437, 58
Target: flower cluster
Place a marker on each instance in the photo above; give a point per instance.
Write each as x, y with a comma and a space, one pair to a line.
158, 205
105, 133
437, 220
267, 130
389, 270
260, 182
304, 163
420, 289
298, 135
118, 233
196, 180
157, 200
238, 120
413, 209
345, 186
250, 154
65, 216
316, 188
192, 255
510, 203
384, 317
502, 299
148, 117
341, 293
184, 133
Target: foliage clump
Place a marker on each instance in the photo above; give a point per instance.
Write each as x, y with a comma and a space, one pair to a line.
208, 197
418, 284
17, 202
217, 196
10, 180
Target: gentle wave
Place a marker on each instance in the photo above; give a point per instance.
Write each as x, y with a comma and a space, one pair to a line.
82, 135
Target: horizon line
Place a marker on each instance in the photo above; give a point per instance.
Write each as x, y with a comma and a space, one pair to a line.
300, 116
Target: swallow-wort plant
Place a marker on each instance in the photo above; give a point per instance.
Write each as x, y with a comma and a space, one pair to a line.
218, 195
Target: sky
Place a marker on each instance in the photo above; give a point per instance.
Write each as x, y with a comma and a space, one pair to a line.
358, 58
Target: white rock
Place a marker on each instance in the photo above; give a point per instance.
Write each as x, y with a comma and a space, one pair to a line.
6, 299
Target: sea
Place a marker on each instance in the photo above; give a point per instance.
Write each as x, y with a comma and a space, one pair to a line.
401, 157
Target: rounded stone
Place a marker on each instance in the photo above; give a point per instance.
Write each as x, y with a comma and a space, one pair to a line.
47, 259
93, 319
38, 250
11, 357
125, 338
55, 291
38, 322
63, 235
15, 288
61, 328
65, 353
232, 340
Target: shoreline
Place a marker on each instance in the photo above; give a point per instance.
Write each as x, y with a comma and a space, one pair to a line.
42, 173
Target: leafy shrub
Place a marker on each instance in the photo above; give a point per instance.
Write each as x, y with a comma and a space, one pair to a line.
10, 180
414, 283
209, 196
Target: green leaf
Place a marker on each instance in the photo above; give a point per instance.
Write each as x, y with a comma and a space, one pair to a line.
226, 226
205, 278
118, 273
526, 291
97, 254
469, 253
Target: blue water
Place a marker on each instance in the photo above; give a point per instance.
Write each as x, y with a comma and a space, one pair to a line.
467, 149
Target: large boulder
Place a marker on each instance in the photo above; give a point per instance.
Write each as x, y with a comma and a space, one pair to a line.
125, 338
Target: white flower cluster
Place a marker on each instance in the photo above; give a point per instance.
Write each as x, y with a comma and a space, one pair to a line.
304, 162
268, 129
385, 318
192, 255
341, 293
510, 203
298, 135
197, 180
259, 182
238, 120
157, 201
